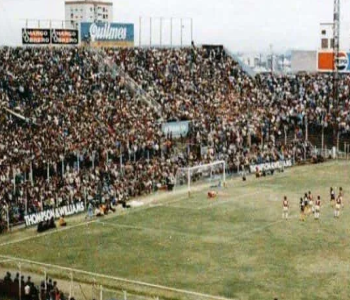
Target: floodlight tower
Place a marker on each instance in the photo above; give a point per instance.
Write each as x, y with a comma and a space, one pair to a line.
336, 42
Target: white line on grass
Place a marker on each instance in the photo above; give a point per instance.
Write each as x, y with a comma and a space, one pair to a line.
261, 227
213, 238
229, 200
171, 232
45, 234
181, 207
174, 201
140, 283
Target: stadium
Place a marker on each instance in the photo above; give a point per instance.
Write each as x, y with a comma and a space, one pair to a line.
141, 167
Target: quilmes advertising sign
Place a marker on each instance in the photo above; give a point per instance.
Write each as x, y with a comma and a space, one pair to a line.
108, 34
64, 37
36, 36
325, 62
56, 213
177, 129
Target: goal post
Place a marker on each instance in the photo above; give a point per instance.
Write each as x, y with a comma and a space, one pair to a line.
206, 173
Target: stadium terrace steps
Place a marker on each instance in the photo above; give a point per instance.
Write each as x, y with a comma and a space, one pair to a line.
243, 65
105, 61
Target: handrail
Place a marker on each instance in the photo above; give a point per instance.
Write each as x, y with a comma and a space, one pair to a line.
131, 82
243, 65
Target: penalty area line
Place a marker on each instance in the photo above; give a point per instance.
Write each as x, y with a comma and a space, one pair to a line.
136, 282
179, 233
45, 234
229, 200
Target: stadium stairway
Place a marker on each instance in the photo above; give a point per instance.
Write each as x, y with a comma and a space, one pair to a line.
141, 95
244, 66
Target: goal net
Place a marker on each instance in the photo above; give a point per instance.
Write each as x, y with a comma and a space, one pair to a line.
213, 174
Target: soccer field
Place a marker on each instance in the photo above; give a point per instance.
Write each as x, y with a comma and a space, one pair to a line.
236, 246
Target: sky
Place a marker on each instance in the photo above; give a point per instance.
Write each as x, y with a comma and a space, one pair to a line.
240, 25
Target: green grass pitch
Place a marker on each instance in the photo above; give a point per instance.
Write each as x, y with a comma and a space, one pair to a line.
235, 246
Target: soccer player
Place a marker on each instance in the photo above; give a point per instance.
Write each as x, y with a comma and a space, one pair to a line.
341, 195
338, 202
306, 204
317, 208
311, 202
285, 208
302, 210
332, 195
212, 194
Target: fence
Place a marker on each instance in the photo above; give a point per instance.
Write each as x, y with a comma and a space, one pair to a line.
69, 282
84, 285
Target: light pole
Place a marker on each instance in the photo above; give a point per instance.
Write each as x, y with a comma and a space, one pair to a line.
160, 30
140, 31
181, 31
150, 31
191, 30
171, 32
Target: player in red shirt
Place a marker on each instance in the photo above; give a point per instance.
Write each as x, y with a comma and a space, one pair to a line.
212, 194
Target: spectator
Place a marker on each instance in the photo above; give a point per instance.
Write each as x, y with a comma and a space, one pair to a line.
62, 222
27, 291
16, 280
7, 277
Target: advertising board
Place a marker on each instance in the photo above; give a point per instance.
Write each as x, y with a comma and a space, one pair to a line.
325, 62
36, 218
177, 129
107, 34
64, 37
36, 36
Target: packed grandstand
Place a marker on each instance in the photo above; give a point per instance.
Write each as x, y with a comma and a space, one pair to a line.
66, 106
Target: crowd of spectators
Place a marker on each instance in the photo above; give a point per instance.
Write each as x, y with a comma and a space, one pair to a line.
47, 290
71, 130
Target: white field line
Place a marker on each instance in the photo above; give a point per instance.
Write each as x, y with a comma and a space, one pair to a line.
215, 238
136, 282
45, 234
229, 200
174, 201
205, 237
181, 207
260, 228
